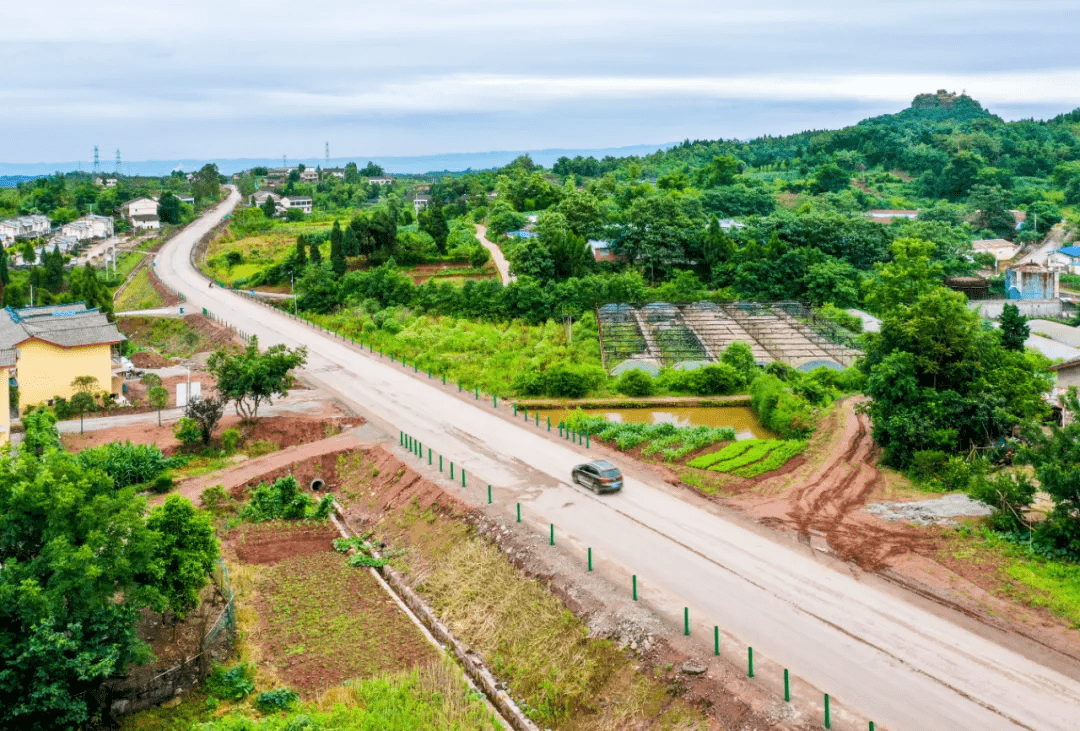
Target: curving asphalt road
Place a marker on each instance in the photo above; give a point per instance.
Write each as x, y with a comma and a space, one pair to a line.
882, 655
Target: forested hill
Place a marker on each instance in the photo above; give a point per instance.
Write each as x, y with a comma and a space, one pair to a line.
920, 139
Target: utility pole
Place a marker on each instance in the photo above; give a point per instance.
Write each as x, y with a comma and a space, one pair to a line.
327, 154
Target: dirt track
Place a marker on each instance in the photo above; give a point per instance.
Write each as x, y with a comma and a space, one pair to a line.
825, 506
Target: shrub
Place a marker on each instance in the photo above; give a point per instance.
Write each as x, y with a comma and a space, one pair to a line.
635, 383
283, 500
779, 409
280, 699
214, 498
188, 431
162, 484
739, 356
261, 447
127, 463
714, 380
233, 684
230, 438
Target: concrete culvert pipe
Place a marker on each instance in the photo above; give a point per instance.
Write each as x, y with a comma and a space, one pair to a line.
317, 484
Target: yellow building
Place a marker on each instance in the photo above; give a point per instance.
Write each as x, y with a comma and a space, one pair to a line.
49, 347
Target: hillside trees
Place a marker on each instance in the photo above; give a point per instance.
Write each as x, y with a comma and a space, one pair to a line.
184, 553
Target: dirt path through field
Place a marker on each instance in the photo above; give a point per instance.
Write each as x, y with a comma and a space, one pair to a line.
496, 254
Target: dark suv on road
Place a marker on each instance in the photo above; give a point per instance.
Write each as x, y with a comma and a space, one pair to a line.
598, 475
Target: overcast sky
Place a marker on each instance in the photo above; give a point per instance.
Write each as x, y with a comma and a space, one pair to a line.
262, 78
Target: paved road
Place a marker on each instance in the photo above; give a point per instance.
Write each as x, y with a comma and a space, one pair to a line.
1053, 241
846, 633
496, 254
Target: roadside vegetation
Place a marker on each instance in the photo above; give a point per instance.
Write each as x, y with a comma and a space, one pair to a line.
140, 294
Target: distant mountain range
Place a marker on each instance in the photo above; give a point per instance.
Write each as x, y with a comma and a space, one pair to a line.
454, 162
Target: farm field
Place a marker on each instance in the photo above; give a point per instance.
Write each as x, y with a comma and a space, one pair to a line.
321, 621
140, 294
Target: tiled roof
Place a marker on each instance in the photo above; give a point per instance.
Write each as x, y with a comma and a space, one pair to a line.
68, 326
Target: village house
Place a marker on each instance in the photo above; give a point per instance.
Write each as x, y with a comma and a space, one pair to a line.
886, 215
295, 201
88, 227
1000, 249
420, 202
380, 181
186, 199
44, 349
259, 198
25, 227
141, 213
309, 175
1067, 258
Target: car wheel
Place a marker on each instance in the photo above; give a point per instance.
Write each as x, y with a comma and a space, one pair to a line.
574, 477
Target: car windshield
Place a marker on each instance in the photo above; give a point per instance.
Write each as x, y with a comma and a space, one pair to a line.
609, 473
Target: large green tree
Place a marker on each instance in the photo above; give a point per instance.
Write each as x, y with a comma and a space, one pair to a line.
940, 380
250, 378
78, 564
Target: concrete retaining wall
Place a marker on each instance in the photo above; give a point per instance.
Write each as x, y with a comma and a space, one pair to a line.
1028, 308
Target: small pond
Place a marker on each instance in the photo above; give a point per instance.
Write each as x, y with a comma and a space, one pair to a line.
741, 418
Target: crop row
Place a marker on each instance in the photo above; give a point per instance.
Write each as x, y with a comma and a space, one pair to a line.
776, 459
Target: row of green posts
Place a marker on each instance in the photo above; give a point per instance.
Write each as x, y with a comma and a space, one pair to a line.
417, 448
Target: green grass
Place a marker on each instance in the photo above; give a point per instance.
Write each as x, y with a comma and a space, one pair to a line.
544, 654
729, 452
173, 337
324, 617
488, 356
436, 697
1033, 580
139, 294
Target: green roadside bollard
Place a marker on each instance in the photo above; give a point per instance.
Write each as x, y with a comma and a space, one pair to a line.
477, 393
552, 538
440, 463
415, 367
787, 692
519, 512
429, 374
429, 456
750, 662
401, 439
515, 408
560, 429
537, 415
587, 443
549, 423
871, 726
495, 400
828, 716
716, 640
686, 621
459, 386
451, 470
633, 584
590, 559
463, 477
444, 379
489, 494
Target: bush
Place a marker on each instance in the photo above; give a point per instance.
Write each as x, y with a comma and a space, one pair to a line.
714, 380
214, 498
188, 431
779, 409
127, 463
562, 381
233, 684
162, 484
230, 439
281, 699
635, 383
283, 500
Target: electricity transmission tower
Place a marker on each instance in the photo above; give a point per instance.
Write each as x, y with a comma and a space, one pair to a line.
327, 154
117, 160
97, 163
